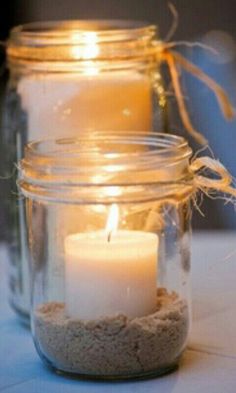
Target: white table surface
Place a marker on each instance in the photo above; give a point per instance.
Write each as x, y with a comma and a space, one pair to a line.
208, 366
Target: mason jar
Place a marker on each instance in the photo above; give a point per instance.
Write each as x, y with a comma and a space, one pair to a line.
69, 79
109, 238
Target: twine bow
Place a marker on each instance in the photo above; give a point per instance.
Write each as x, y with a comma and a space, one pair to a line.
173, 60
222, 183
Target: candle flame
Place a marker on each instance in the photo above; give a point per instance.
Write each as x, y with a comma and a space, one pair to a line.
112, 221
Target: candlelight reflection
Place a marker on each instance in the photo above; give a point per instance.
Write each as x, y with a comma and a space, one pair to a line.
88, 50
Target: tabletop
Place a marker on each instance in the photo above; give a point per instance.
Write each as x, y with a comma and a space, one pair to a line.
208, 365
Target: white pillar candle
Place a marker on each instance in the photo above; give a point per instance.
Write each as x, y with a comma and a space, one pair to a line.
60, 105
110, 272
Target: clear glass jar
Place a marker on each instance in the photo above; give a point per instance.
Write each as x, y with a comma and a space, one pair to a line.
68, 78
109, 237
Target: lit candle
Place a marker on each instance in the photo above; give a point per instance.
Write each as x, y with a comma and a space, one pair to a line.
110, 272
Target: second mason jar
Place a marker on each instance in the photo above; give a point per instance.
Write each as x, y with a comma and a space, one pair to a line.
71, 78
109, 229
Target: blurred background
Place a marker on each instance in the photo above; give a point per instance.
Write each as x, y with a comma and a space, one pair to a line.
211, 22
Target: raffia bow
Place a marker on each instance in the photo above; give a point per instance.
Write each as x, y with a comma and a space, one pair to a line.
209, 176
173, 60
208, 182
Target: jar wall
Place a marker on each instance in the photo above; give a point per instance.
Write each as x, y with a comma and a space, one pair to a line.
14, 129
108, 221
66, 97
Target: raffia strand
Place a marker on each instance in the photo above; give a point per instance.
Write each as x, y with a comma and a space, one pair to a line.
206, 183
173, 60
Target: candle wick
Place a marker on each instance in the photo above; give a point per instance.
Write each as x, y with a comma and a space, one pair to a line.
109, 236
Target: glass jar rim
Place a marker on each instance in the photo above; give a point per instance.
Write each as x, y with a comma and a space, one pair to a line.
106, 168
76, 160
39, 44
168, 143
59, 32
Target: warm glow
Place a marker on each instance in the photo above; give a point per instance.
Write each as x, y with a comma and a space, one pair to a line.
112, 221
86, 49
91, 49
113, 191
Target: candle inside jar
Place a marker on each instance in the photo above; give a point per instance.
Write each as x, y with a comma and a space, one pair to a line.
62, 105
110, 272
